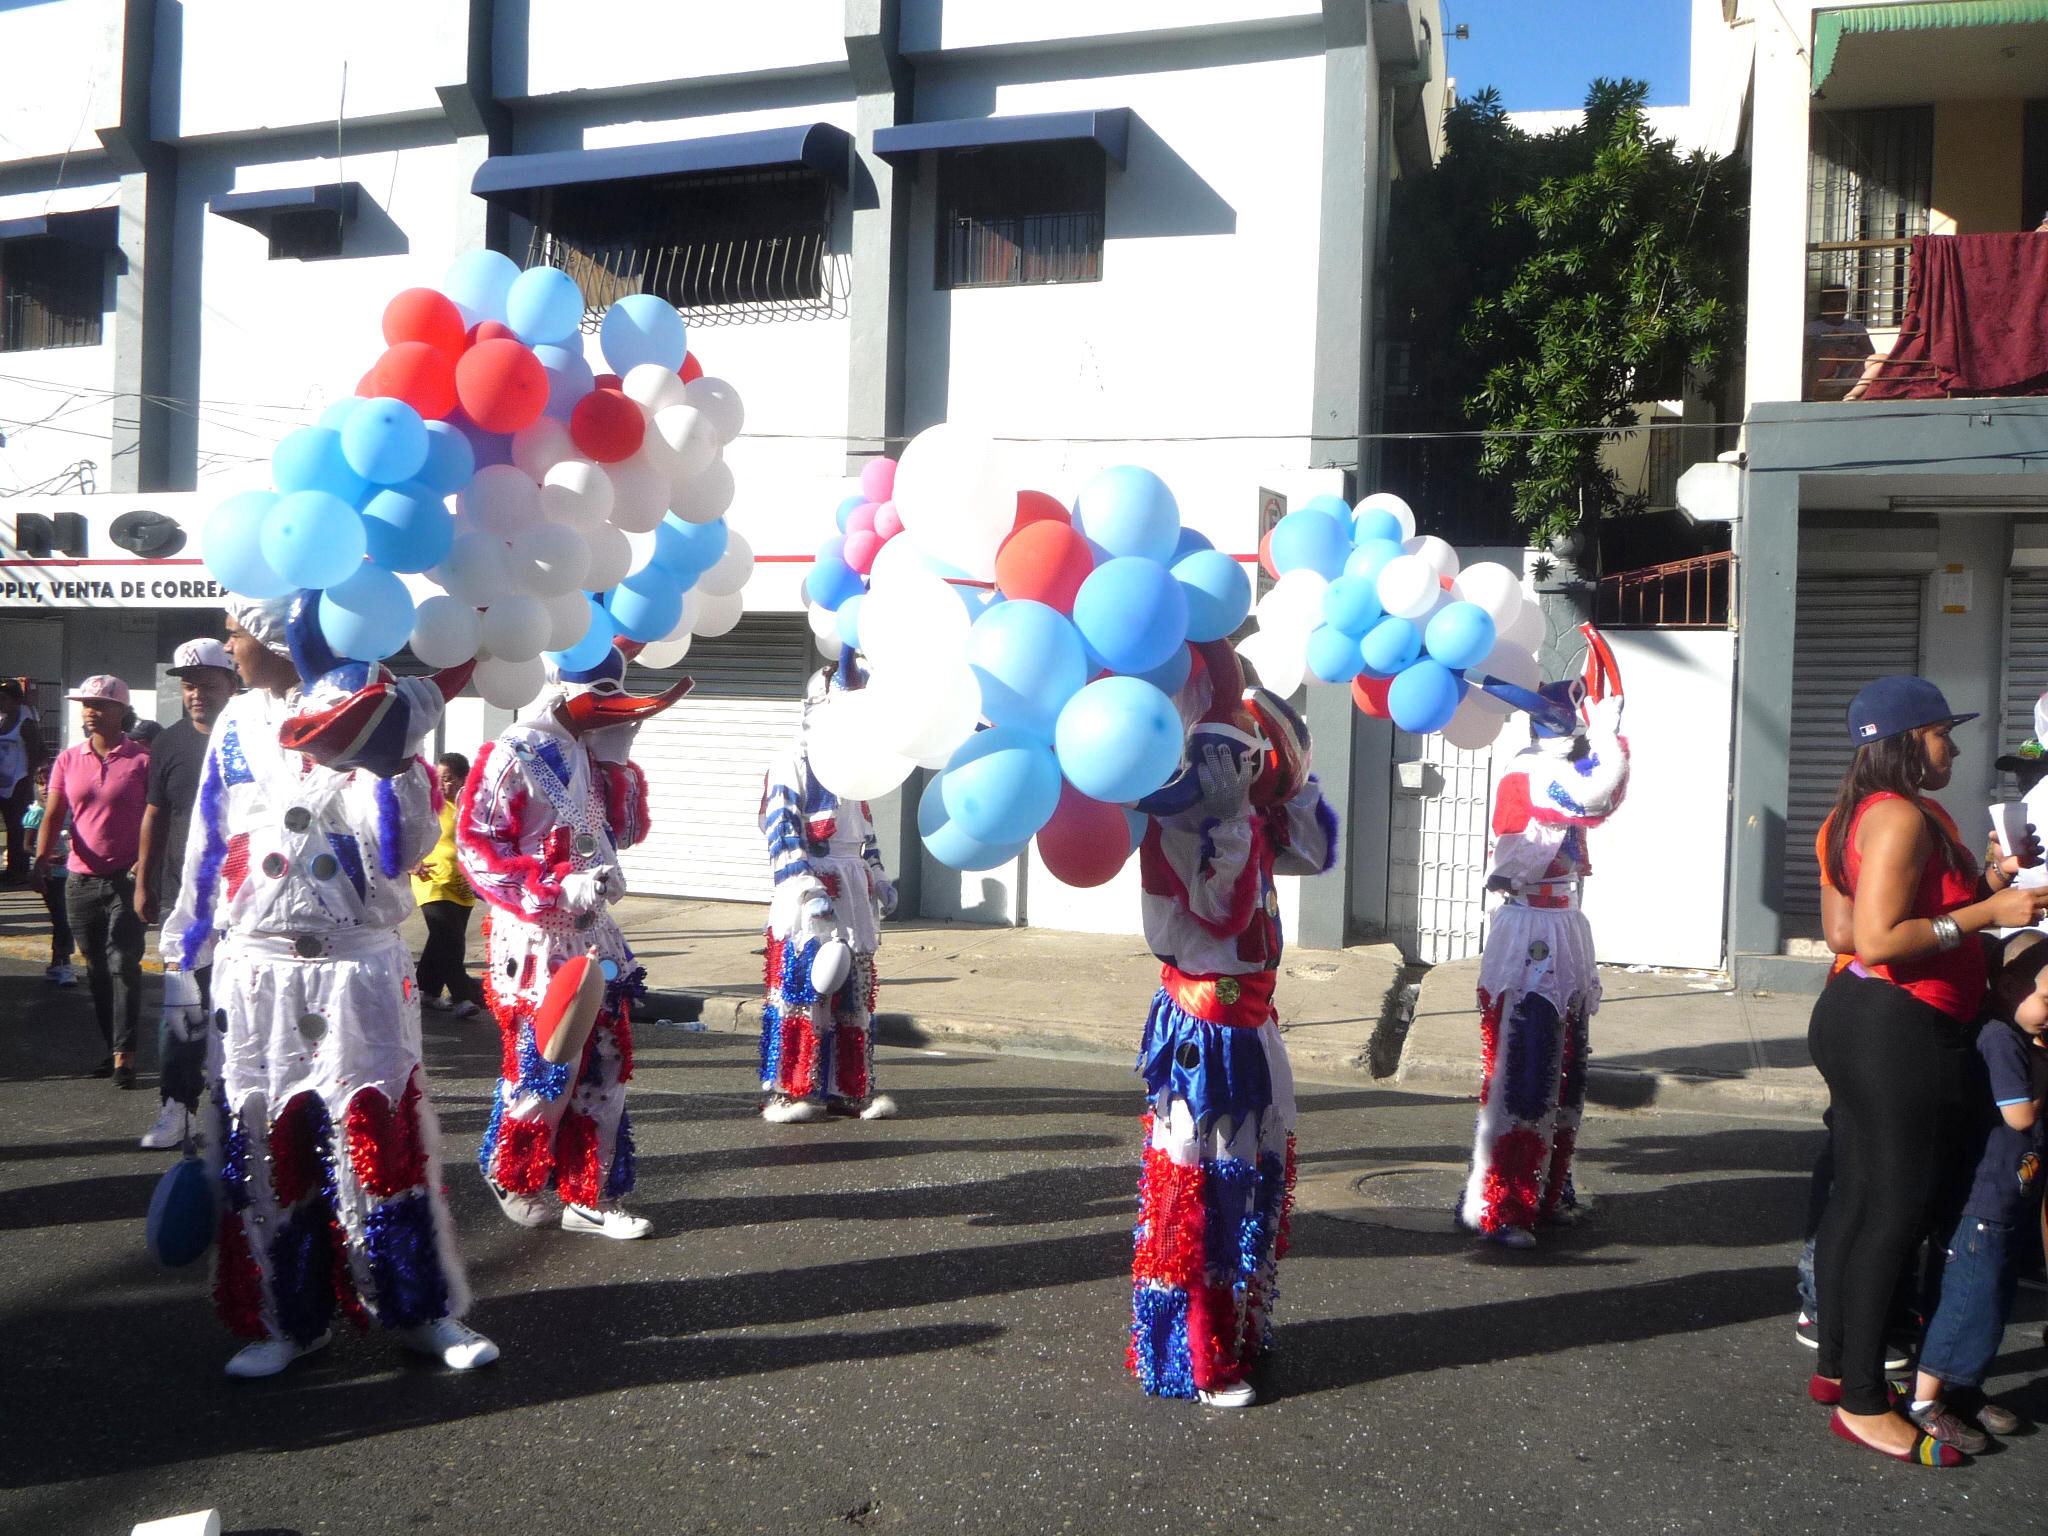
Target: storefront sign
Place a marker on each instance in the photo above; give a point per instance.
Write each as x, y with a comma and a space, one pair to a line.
127, 551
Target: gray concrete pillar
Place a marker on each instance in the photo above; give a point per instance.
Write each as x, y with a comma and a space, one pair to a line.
1767, 570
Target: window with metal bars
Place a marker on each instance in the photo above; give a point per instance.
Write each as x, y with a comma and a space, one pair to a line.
1870, 183
1017, 214
724, 249
51, 292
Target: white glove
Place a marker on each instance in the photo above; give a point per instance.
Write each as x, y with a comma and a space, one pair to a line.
584, 889
885, 895
1604, 715
1225, 779
424, 703
612, 743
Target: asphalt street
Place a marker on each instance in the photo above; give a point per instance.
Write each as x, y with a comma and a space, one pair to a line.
917, 1325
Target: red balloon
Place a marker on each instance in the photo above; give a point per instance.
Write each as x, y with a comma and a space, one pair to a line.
1086, 842
861, 547
610, 381
691, 369
1266, 556
366, 386
862, 519
421, 314
490, 330
502, 385
421, 375
607, 426
1037, 507
1046, 562
888, 522
1370, 695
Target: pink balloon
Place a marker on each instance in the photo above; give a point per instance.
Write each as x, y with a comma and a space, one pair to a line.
878, 479
860, 549
1086, 842
861, 519
887, 523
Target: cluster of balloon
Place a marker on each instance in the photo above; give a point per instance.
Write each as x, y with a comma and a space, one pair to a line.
1359, 598
586, 506
1027, 651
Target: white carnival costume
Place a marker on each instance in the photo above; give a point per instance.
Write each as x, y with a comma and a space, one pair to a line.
1538, 984
296, 878
831, 893
542, 818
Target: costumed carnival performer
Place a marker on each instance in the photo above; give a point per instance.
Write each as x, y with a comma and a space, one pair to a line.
831, 893
543, 816
1218, 1168
312, 811
1538, 984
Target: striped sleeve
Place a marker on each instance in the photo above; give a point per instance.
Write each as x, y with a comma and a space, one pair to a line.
625, 801
487, 826
782, 819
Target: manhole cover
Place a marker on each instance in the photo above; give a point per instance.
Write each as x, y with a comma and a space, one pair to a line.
1414, 1197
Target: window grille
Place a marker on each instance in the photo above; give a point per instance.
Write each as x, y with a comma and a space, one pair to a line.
1869, 192
1019, 214
725, 249
51, 292
1683, 594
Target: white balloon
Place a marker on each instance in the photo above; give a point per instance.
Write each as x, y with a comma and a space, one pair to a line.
653, 386
719, 615
577, 494
549, 561
478, 569
516, 627
828, 647
639, 495
1278, 656
1441, 557
655, 453
643, 551
1387, 501
508, 684
823, 620
444, 631
689, 432
664, 653
719, 401
1530, 629
900, 557
928, 709
1295, 603
915, 616
611, 557
540, 447
954, 497
845, 752
502, 501
568, 620
1491, 586
704, 496
1511, 664
1474, 726
735, 567
1408, 587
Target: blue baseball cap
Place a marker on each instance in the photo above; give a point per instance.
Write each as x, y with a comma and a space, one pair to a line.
1893, 705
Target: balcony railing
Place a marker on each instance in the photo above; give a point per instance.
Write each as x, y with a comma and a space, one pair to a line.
1859, 295
1684, 594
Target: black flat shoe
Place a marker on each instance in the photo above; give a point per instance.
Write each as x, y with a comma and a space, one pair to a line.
104, 1069
124, 1076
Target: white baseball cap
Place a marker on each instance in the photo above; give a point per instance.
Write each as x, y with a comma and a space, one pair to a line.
195, 654
100, 690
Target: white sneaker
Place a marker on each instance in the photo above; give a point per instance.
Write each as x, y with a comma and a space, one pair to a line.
787, 1111
1242, 1395
62, 975
455, 1344
523, 1210
169, 1130
266, 1357
880, 1107
435, 1004
1513, 1237
468, 1011
604, 1221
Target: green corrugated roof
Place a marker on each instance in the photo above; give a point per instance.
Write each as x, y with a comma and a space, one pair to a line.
1829, 27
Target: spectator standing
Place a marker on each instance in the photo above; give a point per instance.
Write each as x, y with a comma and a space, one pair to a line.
206, 680
52, 888
445, 900
98, 789
21, 754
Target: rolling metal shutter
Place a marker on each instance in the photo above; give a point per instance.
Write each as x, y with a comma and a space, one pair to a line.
2026, 656
1849, 630
705, 759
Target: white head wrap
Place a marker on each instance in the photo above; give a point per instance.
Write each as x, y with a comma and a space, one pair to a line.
264, 618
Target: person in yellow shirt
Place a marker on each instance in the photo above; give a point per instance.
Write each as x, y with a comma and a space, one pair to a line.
444, 898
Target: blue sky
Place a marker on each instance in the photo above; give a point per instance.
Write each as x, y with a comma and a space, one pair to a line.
1542, 54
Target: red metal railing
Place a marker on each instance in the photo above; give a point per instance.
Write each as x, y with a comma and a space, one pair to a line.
1682, 594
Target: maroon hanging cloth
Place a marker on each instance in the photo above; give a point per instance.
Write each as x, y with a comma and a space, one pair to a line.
1976, 320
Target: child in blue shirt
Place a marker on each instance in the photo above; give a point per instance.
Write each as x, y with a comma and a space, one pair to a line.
1978, 1282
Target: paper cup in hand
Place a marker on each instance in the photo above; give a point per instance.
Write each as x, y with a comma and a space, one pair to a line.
2009, 821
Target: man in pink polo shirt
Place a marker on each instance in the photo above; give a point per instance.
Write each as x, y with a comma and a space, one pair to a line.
101, 787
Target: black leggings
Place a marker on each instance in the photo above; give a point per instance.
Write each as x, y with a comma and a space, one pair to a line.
441, 957
1898, 1071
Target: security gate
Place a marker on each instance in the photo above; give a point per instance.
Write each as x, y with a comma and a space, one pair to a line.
1437, 848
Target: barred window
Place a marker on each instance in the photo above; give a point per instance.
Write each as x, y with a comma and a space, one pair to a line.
51, 291
1014, 214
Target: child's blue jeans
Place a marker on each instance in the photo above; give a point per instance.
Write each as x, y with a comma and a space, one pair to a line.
1977, 1286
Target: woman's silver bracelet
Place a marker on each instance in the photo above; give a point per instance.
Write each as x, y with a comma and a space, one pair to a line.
1948, 933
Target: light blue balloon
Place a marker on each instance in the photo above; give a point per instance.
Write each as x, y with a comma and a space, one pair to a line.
1330, 506
1389, 646
646, 605
688, 550
1118, 739
1424, 697
849, 620
831, 581
1333, 656
478, 282
641, 328
1001, 785
1169, 677
232, 545
451, 462
1459, 635
407, 529
1129, 511
569, 378
339, 412
384, 441
544, 306
1310, 540
1131, 614
367, 617
1375, 523
1029, 661
1352, 604
314, 539
311, 459
1189, 541
950, 844
846, 509
1137, 821
1370, 558
1218, 593
591, 649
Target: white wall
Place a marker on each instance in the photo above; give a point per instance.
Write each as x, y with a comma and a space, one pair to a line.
1660, 863
933, 25
60, 77
575, 45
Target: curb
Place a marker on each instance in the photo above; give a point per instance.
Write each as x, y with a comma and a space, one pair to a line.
1633, 1088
